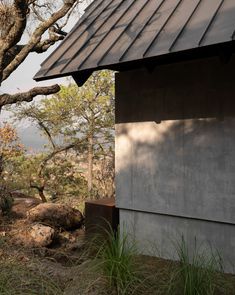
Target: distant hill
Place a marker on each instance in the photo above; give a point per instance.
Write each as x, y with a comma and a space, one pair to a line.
28, 133
31, 138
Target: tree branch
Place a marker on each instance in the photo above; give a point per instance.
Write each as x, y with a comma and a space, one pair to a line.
36, 37
20, 9
14, 31
27, 96
45, 129
10, 55
57, 151
46, 44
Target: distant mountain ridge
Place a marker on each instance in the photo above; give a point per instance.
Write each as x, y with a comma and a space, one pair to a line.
28, 133
31, 138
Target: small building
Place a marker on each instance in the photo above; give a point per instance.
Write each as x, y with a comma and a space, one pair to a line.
175, 114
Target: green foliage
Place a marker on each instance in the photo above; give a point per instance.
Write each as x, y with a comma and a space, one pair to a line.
10, 149
76, 111
116, 257
79, 126
196, 274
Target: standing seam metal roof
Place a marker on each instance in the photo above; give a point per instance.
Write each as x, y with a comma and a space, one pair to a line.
114, 32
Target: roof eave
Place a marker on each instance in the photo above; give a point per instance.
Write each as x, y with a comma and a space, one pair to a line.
222, 50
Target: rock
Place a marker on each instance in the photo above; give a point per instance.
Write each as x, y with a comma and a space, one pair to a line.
71, 240
56, 215
23, 204
36, 235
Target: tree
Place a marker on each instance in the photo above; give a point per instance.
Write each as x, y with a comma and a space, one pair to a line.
81, 119
90, 113
45, 168
41, 22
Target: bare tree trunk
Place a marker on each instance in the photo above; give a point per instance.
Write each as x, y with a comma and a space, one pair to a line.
90, 164
1, 165
40, 190
41, 194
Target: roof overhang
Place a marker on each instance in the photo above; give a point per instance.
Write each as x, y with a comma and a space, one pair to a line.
127, 34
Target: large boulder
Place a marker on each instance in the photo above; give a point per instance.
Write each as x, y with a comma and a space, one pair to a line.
36, 235
22, 204
56, 215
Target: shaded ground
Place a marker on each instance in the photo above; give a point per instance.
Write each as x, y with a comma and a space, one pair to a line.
67, 266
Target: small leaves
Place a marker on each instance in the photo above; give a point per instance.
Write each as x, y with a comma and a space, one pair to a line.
10, 145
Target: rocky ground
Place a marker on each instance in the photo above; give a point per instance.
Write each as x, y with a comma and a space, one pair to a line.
44, 251
47, 238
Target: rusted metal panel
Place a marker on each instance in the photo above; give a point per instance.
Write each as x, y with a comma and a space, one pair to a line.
100, 215
117, 33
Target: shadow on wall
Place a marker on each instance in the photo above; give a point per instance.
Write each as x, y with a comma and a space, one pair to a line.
175, 156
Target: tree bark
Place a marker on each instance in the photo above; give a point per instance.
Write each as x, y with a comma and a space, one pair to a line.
1, 165
40, 190
6, 99
34, 40
41, 194
90, 163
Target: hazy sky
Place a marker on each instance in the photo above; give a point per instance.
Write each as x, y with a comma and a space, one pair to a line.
22, 80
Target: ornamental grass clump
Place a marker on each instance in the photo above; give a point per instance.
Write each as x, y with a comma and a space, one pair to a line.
117, 261
196, 273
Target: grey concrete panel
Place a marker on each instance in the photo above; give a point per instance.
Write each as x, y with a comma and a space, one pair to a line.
175, 140
158, 235
184, 168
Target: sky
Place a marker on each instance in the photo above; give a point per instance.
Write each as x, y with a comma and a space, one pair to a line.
22, 80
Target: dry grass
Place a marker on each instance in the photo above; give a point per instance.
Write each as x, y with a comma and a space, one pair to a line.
19, 276
117, 269
107, 268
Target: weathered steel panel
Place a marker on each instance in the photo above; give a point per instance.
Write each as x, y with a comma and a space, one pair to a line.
103, 34
101, 215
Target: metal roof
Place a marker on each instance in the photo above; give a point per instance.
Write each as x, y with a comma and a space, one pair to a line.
116, 32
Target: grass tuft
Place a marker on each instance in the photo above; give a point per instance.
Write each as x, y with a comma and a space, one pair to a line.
196, 273
116, 257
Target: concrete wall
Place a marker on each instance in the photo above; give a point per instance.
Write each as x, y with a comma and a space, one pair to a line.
175, 154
